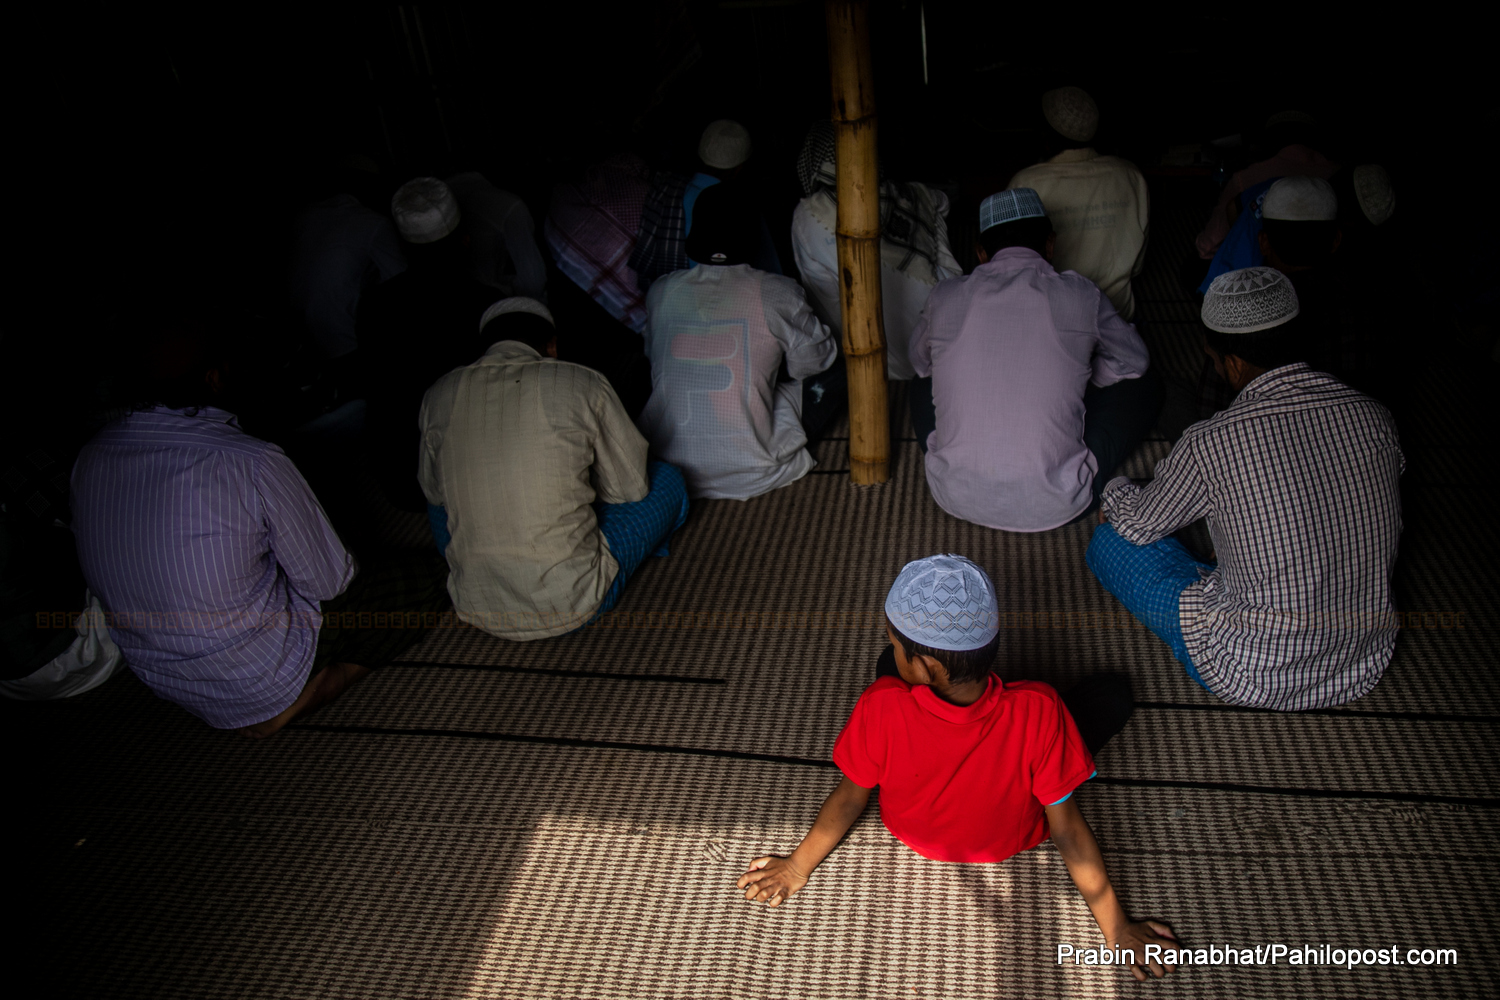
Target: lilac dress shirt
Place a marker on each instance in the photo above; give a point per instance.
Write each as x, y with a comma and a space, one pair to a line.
210, 554
1011, 349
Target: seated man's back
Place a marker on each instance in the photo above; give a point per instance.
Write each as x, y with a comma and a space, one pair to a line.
1098, 205
1012, 350
716, 338
211, 555
517, 447
719, 337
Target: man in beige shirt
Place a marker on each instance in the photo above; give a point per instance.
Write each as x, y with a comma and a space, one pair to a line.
537, 482
1098, 205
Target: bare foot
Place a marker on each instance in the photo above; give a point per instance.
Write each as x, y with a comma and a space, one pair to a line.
328, 684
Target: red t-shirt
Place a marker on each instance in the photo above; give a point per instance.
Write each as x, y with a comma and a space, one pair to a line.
964, 783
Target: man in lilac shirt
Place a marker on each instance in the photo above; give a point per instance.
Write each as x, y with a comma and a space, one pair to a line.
1037, 388
212, 558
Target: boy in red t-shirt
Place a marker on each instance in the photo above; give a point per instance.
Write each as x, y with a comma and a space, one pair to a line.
970, 768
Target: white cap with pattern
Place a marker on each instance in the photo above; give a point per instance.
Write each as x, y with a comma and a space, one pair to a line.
944, 602
1010, 206
725, 144
1377, 197
516, 304
1249, 300
1071, 112
1300, 199
425, 210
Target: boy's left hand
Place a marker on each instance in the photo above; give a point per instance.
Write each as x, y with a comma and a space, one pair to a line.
1136, 936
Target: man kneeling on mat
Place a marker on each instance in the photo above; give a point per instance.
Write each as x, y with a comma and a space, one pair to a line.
970, 767
1298, 481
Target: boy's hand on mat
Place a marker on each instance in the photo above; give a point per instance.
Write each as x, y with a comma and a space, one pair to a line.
1136, 937
771, 879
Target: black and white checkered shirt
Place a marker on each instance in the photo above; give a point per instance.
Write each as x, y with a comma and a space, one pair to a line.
1298, 481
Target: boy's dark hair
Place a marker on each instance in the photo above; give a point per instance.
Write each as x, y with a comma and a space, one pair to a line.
528, 328
1029, 233
725, 225
962, 666
1301, 244
1281, 345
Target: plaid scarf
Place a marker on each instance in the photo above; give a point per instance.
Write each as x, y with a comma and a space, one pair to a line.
661, 245
908, 214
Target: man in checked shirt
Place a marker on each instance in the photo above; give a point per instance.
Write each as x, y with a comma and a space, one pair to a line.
1298, 481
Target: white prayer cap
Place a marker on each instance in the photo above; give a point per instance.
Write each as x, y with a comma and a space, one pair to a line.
1010, 206
1301, 199
1071, 112
1377, 198
1249, 300
725, 144
944, 602
1290, 118
425, 210
516, 304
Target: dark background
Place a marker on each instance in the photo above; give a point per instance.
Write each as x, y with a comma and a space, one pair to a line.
167, 148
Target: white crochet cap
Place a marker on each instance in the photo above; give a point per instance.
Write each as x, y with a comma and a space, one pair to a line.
1071, 112
1010, 206
1249, 300
516, 304
945, 602
1377, 198
1300, 199
725, 144
425, 210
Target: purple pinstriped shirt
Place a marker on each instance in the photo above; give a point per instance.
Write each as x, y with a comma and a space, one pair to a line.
210, 553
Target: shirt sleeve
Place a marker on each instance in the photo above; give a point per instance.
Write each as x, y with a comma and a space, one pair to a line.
808, 343
432, 443
1177, 496
520, 242
859, 752
1120, 353
619, 451
302, 541
1061, 761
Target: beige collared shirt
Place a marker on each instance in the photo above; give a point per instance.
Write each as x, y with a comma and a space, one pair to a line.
1101, 212
517, 447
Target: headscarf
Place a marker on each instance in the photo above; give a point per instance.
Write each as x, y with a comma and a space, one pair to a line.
908, 212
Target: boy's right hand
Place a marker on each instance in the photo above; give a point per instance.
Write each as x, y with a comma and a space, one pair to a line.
771, 879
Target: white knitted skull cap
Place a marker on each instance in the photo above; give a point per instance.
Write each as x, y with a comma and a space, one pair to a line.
725, 144
1249, 300
425, 210
1071, 112
944, 602
1300, 199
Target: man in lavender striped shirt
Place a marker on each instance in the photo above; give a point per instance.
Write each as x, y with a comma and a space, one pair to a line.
211, 555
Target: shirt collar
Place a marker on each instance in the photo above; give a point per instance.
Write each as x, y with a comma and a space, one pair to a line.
1276, 382
212, 414
1014, 258
959, 714
1075, 155
511, 350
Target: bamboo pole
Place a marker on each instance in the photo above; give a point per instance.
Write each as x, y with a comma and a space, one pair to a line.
853, 87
